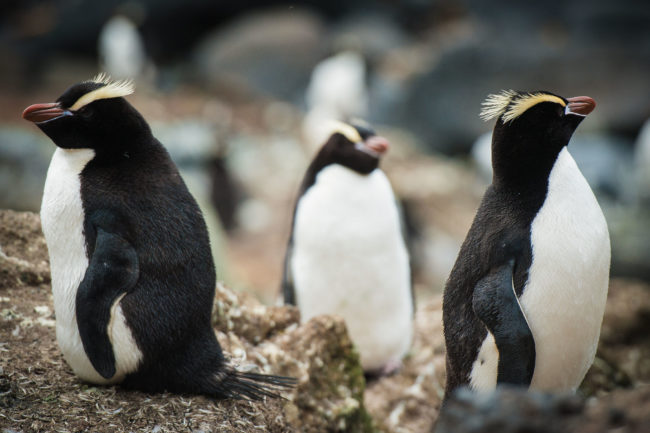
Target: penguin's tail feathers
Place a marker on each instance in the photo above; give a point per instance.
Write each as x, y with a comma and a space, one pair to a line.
247, 385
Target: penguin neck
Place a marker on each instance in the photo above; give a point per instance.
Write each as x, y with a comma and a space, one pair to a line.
528, 173
126, 149
323, 159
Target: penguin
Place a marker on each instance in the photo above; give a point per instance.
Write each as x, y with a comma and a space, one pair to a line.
346, 253
525, 300
133, 278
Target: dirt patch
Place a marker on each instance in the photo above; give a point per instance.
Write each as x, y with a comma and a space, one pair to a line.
23, 252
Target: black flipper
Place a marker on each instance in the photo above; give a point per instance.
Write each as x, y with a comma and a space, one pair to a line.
496, 304
112, 271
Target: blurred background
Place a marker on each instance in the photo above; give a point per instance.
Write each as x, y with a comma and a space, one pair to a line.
239, 91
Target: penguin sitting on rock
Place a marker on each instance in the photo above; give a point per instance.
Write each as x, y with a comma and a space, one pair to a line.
133, 278
525, 300
346, 254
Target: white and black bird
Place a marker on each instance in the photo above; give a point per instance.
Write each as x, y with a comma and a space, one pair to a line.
346, 253
525, 300
133, 277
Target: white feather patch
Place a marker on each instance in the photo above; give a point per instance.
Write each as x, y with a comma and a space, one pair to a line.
483, 376
110, 89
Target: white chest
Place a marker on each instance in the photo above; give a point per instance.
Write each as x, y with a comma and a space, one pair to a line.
564, 299
62, 217
349, 259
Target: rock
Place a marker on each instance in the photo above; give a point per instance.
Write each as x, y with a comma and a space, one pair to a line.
506, 410
241, 314
319, 353
23, 252
24, 158
369, 32
270, 53
38, 391
409, 400
515, 410
488, 47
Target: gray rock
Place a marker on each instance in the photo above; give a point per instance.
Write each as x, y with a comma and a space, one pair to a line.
371, 33
271, 53
507, 410
569, 48
516, 410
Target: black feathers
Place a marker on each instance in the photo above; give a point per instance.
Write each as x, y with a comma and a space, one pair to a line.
148, 249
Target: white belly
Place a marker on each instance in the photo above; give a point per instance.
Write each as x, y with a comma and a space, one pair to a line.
564, 299
349, 259
62, 219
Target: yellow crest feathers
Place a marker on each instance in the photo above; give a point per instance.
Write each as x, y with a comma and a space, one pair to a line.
495, 104
110, 89
350, 132
510, 104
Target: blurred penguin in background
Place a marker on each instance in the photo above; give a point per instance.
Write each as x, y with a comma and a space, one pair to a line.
346, 254
337, 90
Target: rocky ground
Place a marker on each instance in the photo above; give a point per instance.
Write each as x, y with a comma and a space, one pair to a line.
38, 391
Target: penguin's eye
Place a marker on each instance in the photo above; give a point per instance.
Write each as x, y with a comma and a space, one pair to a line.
85, 112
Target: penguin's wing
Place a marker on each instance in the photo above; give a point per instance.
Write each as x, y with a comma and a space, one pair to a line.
288, 290
112, 272
496, 304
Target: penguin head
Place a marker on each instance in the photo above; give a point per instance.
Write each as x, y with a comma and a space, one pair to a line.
92, 114
531, 129
354, 146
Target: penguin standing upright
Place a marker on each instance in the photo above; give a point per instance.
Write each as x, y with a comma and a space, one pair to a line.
346, 253
133, 277
525, 300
